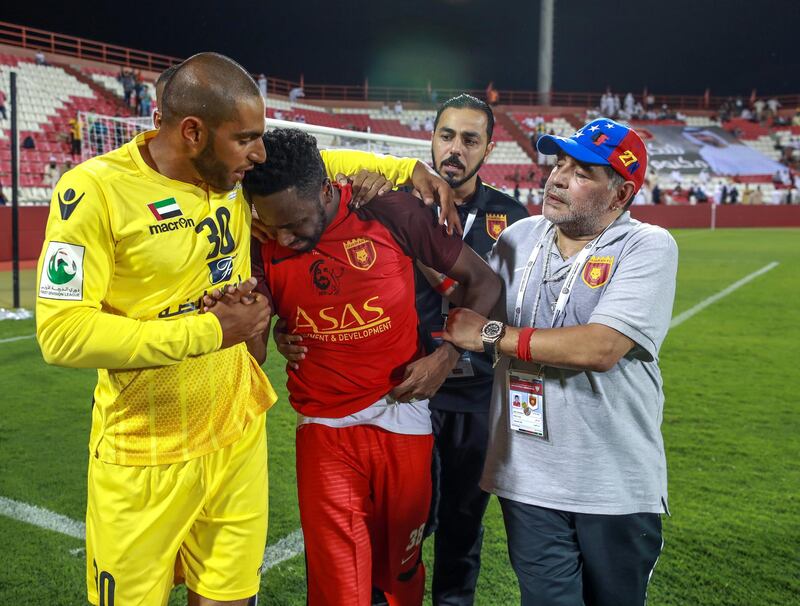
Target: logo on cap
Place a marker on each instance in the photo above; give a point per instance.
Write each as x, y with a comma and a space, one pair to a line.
627, 158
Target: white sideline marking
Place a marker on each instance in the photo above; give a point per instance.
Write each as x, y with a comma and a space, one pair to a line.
285, 549
683, 316
10, 339
41, 517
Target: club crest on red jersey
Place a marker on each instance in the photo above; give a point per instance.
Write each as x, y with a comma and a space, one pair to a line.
360, 253
597, 271
495, 224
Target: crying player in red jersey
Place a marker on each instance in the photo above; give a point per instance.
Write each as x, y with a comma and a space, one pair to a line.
343, 279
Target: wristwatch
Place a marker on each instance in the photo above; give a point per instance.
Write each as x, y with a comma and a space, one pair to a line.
491, 333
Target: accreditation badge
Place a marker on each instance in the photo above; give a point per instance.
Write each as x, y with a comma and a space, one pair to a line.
526, 412
463, 367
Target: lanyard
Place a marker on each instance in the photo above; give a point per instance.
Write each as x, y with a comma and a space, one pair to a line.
569, 283
468, 224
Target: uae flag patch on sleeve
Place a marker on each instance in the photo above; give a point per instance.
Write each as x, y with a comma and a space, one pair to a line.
165, 209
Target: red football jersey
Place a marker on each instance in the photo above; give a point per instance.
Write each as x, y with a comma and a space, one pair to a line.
352, 299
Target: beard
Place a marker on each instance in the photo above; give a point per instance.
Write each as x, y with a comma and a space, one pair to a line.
575, 223
455, 161
211, 169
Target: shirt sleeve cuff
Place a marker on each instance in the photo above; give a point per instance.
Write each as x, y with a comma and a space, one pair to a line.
647, 350
206, 334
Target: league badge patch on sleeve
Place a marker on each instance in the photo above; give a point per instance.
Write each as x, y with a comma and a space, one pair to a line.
495, 224
597, 270
62, 273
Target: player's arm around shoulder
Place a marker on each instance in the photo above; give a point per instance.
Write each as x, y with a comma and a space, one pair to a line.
349, 162
429, 243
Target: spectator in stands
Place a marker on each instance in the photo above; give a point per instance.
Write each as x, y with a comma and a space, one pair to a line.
97, 135
607, 104
398, 107
40, 58
126, 78
774, 105
279, 115
724, 194
75, 136
700, 194
51, 173
517, 193
492, 96
414, 124
262, 85
629, 104
734, 195
3, 105
428, 126
758, 109
3, 199
534, 199
656, 195
28, 143
145, 102
295, 94
66, 166
796, 119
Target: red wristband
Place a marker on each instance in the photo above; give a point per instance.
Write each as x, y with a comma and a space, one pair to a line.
445, 285
524, 344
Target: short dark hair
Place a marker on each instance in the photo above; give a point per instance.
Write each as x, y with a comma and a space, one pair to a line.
465, 101
207, 85
293, 160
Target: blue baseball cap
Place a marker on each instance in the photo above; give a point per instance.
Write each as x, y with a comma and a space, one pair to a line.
605, 142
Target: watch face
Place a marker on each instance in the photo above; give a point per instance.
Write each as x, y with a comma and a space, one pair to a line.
492, 329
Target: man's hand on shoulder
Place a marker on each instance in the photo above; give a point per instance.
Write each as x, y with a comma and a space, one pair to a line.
433, 189
366, 186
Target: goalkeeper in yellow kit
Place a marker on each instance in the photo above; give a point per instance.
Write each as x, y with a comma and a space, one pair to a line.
178, 460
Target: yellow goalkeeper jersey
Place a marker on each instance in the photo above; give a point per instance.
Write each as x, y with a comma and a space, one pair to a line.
128, 254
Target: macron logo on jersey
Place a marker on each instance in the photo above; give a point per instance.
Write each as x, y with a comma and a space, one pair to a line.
165, 209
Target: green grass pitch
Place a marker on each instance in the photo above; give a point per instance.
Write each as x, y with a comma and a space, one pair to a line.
730, 425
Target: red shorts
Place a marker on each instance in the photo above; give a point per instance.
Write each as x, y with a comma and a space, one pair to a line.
364, 495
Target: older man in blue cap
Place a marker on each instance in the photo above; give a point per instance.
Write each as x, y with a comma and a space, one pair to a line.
576, 455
